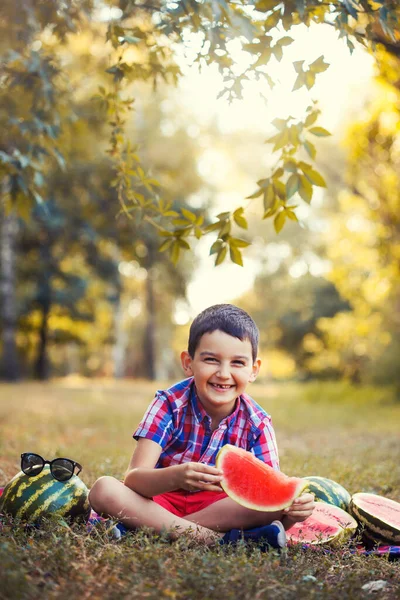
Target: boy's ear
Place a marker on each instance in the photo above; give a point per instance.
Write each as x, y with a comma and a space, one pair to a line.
186, 361
255, 371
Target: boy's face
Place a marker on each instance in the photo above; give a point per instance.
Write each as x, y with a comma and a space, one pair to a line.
222, 367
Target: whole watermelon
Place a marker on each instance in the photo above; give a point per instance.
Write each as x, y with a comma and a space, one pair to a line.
329, 491
30, 498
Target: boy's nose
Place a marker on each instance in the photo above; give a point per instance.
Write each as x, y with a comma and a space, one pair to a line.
223, 371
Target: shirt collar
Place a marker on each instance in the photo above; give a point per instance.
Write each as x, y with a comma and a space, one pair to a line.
201, 414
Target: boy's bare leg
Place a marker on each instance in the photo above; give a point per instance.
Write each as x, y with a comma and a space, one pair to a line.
110, 496
226, 514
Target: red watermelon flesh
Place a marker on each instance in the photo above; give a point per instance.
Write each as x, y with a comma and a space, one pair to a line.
327, 524
254, 484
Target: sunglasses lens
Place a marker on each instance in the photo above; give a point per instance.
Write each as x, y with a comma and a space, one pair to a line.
62, 469
32, 464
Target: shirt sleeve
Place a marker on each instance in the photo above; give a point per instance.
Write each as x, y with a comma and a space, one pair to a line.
265, 447
157, 423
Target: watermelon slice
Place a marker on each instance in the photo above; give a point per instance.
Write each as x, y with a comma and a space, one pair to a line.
328, 524
254, 484
380, 517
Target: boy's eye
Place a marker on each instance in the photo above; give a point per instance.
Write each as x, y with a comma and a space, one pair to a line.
210, 359
239, 362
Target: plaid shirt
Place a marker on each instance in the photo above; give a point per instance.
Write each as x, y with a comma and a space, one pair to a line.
177, 421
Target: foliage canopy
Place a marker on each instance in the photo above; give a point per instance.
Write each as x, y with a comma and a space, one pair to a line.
142, 39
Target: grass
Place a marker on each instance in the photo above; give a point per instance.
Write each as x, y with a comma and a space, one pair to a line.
332, 429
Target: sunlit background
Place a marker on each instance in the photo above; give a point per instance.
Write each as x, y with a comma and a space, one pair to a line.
95, 297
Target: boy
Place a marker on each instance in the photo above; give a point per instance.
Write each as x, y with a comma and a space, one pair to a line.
172, 482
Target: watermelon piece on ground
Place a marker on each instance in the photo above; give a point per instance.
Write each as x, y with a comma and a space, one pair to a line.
254, 484
328, 524
379, 516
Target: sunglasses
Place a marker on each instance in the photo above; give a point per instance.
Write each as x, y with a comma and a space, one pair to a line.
61, 469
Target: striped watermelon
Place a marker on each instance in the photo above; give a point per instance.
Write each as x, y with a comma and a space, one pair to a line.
327, 490
379, 516
30, 498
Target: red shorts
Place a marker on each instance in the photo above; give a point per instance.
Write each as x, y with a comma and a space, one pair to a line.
182, 503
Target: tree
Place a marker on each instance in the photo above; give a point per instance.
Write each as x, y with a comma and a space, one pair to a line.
142, 39
261, 29
363, 243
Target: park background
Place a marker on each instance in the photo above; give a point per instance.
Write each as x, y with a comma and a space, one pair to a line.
94, 316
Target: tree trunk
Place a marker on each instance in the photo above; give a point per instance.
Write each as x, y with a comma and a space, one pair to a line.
150, 335
41, 367
9, 367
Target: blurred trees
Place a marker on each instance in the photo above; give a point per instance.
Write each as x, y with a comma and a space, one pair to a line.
348, 322
65, 289
363, 243
54, 59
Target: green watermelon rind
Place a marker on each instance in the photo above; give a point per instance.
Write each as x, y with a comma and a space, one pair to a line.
252, 461
50, 498
346, 523
329, 491
376, 528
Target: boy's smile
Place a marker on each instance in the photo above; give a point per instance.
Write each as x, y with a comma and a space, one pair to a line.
222, 367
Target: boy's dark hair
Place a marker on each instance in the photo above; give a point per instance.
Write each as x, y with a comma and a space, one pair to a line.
227, 318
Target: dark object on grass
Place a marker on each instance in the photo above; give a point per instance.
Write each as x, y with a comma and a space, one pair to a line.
379, 516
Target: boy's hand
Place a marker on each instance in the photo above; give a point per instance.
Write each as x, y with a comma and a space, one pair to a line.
300, 509
197, 476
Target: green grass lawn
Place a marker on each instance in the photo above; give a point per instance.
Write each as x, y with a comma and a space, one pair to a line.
351, 435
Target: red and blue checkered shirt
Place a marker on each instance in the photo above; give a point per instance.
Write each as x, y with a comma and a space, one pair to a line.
177, 421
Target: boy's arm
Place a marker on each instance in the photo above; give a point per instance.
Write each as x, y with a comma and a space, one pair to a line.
143, 478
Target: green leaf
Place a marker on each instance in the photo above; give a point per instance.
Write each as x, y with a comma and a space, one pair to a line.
269, 197
311, 118
290, 165
183, 243
256, 194
189, 215
278, 52
165, 245
213, 227
266, 5
305, 189
300, 81
318, 66
298, 66
310, 79
280, 189
310, 149
225, 229
291, 215
236, 255
216, 247
319, 131
179, 222
239, 243
292, 185
285, 41
240, 220
279, 221
279, 123
315, 177
176, 249
221, 255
